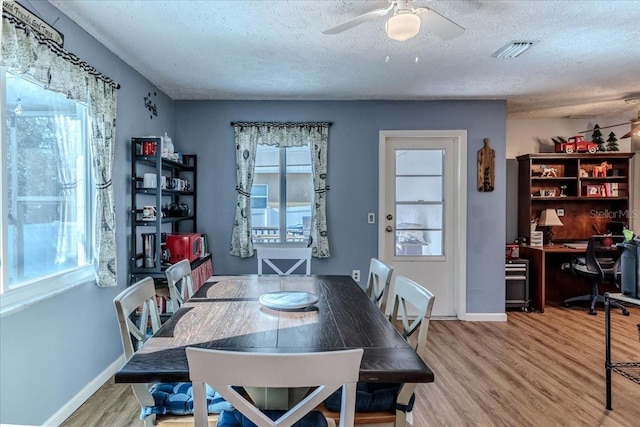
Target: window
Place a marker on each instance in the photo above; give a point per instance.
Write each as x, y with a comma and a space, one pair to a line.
46, 209
282, 194
419, 202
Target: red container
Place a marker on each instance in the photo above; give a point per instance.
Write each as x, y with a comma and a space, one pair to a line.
184, 246
512, 251
149, 148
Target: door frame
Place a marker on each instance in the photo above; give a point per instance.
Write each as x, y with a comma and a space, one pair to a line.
459, 203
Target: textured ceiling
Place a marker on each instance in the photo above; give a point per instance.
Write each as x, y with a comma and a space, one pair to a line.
586, 60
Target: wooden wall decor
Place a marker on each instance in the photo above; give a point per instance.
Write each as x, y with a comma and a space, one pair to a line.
486, 167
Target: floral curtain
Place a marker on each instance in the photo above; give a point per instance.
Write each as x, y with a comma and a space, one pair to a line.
246, 143
248, 136
27, 52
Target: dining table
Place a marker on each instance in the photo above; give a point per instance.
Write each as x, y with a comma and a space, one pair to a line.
238, 313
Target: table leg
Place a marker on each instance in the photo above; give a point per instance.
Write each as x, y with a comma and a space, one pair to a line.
276, 398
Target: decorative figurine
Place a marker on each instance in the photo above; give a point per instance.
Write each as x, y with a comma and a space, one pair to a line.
562, 188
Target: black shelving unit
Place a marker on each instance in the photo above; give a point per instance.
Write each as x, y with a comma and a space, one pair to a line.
160, 198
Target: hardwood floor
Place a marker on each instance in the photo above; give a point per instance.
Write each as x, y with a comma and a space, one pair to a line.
533, 370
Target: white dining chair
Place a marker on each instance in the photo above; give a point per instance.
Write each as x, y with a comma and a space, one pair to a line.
297, 254
322, 372
409, 297
378, 283
138, 302
180, 283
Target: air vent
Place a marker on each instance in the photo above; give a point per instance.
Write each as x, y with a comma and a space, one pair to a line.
513, 50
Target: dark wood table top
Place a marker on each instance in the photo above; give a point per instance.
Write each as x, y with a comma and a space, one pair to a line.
225, 314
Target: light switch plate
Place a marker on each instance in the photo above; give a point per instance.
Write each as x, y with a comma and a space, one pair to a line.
371, 218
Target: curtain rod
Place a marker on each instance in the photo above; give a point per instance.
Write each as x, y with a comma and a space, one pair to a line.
281, 124
60, 51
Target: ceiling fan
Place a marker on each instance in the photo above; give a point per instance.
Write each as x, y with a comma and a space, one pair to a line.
634, 131
405, 21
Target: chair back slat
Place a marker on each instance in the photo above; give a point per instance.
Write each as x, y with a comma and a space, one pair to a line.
409, 297
141, 294
222, 369
299, 255
180, 283
378, 282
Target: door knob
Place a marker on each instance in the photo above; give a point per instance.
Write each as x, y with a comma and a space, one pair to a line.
389, 228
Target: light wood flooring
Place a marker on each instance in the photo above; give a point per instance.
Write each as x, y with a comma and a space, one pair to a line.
533, 370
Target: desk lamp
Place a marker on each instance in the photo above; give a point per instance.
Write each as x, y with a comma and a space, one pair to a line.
549, 218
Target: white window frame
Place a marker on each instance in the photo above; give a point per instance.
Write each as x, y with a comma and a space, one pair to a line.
30, 292
282, 203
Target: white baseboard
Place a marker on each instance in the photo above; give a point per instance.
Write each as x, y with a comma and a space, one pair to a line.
70, 407
484, 317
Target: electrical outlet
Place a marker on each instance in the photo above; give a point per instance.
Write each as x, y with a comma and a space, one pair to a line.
355, 274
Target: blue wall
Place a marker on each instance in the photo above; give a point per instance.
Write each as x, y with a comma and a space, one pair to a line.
63, 343
203, 127
52, 349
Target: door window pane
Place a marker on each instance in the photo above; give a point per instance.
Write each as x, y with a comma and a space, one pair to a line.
419, 188
419, 213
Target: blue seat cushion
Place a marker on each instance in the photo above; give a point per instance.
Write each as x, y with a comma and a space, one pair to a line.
371, 397
177, 399
236, 419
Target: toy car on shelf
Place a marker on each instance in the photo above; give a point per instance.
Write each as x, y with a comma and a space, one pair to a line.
576, 144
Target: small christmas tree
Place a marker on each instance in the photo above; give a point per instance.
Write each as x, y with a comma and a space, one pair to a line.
612, 142
596, 137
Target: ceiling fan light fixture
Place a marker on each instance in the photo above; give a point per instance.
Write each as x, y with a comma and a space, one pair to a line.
403, 26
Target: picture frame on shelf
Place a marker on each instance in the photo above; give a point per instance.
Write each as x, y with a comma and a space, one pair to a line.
592, 191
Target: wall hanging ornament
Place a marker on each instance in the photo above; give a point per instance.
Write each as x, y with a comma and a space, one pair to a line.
486, 167
151, 106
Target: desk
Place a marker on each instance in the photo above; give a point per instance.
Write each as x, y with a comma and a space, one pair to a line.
225, 314
544, 270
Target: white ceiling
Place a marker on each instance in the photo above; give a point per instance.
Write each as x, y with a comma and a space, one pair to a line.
586, 60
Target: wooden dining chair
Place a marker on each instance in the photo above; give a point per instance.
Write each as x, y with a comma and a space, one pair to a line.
180, 283
378, 283
411, 314
138, 302
322, 372
298, 254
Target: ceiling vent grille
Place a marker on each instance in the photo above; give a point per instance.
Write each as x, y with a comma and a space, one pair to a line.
513, 49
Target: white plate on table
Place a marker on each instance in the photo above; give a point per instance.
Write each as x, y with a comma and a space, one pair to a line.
288, 300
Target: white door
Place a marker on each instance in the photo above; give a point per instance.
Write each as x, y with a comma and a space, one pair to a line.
422, 212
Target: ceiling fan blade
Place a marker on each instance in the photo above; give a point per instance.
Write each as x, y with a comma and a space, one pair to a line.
633, 131
442, 27
605, 127
358, 20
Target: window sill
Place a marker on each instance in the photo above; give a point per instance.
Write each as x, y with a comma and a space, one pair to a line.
17, 300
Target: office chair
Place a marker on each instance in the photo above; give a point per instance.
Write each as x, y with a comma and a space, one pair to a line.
597, 266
